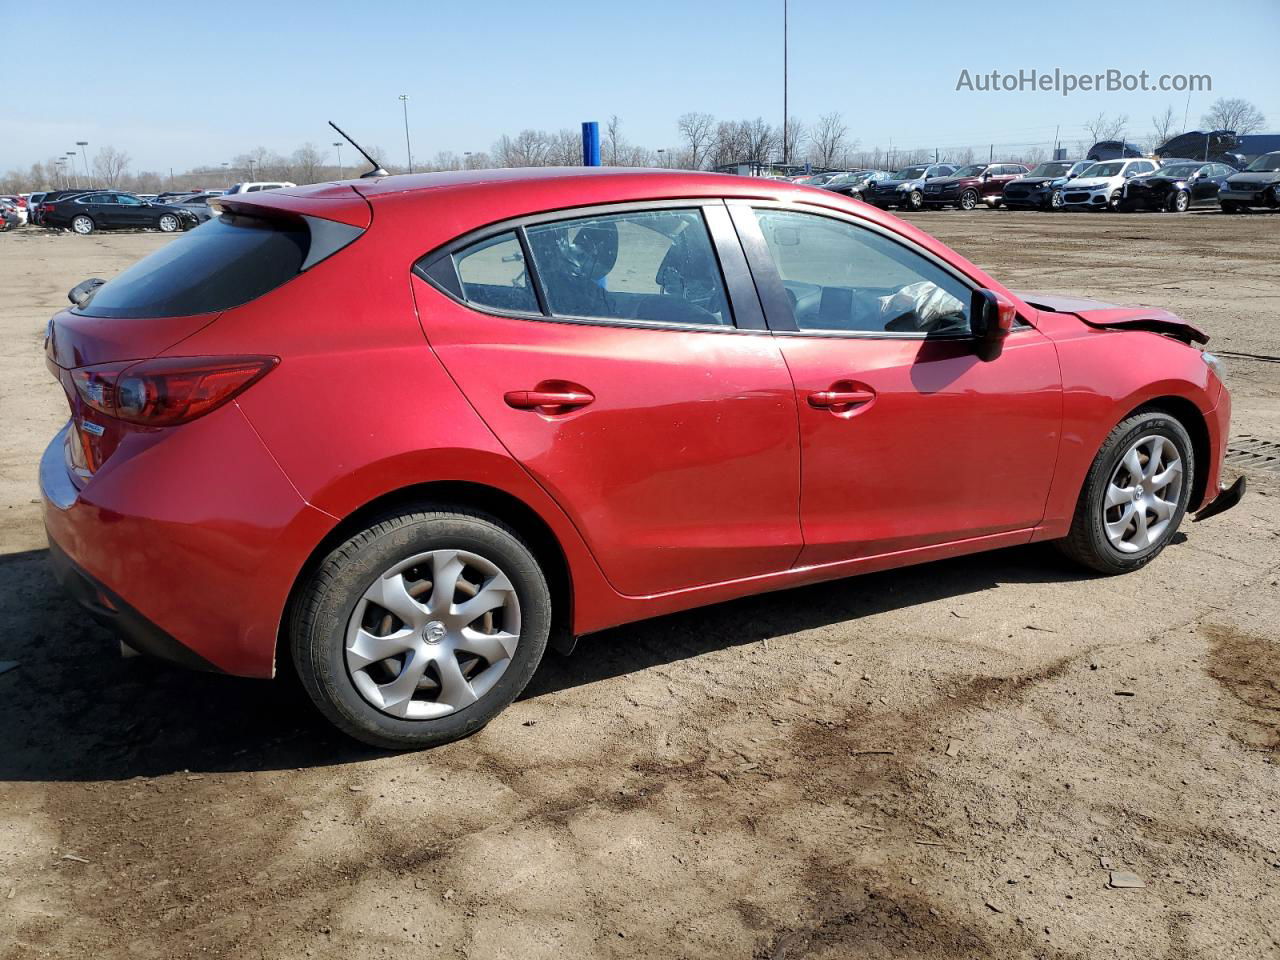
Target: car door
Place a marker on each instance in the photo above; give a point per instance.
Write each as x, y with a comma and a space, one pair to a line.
1205, 189
1004, 173
620, 355
908, 439
130, 211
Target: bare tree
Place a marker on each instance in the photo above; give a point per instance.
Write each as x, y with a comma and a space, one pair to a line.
791, 139
613, 141
565, 148
529, 148
109, 165
305, 163
698, 132
1164, 127
1103, 127
827, 140
759, 140
1234, 113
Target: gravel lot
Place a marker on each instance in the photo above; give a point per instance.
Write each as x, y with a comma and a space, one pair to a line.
937, 762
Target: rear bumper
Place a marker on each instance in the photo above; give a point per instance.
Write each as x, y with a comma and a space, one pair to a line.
188, 540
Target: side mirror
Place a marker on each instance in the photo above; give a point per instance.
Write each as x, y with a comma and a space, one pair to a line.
986, 175
991, 318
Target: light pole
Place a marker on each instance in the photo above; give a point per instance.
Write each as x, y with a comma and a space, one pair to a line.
408, 150
226, 172
786, 155
251, 176
404, 102
84, 155
71, 159
662, 162
61, 164
342, 175
466, 159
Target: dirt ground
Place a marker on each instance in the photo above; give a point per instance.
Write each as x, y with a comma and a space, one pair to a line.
937, 762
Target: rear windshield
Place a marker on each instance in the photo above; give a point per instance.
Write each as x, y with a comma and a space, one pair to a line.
226, 262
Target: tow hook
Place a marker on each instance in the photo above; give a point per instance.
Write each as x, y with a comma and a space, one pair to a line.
1223, 502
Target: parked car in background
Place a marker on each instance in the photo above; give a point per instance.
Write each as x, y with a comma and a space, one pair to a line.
9, 218
905, 188
856, 184
196, 204
1257, 185
1041, 188
258, 186
972, 184
33, 206
1113, 150
1206, 146
1100, 186
596, 387
111, 210
51, 197
19, 206
1176, 187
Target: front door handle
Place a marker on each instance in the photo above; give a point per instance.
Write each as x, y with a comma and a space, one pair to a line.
548, 401
826, 399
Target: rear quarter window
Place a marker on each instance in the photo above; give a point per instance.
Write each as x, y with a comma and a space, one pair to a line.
222, 264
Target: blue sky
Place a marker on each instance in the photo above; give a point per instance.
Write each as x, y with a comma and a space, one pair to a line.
177, 90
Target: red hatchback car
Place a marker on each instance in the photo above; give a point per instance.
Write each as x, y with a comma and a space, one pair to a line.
408, 431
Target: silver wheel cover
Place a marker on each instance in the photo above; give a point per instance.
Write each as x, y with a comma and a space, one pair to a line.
1142, 495
168, 223
82, 225
433, 634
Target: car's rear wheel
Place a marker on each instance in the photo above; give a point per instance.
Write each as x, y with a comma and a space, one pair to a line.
421, 628
1180, 202
83, 224
968, 200
168, 223
1135, 495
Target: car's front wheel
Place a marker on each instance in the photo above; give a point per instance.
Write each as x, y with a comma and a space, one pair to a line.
968, 200
168, 223
1134, 496
422, 627
915, 200
1180, 202
1055, 200
83, 225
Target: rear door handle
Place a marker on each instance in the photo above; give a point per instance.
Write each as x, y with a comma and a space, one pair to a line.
551, 400
825, 399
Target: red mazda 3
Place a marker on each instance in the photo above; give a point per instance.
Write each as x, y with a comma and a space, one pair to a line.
408, 431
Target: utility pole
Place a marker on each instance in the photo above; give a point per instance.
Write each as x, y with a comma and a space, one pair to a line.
786, 146
84, 155
342, 174
404, 101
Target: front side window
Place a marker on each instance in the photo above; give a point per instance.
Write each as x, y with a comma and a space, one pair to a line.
127, 200
842, 277
656, 266
492, 274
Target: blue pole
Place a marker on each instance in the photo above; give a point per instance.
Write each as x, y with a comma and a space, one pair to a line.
591, 144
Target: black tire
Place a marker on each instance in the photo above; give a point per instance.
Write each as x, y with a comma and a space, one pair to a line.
1087, 541
1230, 206
968, 200
915, 200
87, 226
1116, 202
1180, 202
168, 223
327, 600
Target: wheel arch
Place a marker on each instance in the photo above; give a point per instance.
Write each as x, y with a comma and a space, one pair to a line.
498, 503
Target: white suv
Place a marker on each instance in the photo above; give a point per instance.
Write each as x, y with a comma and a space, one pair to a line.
259, 185
1101, 186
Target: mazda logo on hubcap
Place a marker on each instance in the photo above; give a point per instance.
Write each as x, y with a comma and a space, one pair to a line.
434, 632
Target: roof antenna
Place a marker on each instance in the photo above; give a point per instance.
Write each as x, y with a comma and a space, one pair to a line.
377, 170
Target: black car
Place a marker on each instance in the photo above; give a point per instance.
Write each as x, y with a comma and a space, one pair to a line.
37, 214
1041, 188
1176, 187
1257, 185
856, 184
1113, 150
112, 210
1211, 146
905, 188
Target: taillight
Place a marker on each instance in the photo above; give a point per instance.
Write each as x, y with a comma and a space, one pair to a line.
46, 207
167, 390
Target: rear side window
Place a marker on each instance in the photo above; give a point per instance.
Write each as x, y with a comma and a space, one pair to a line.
656, 266
493, 274
222, 264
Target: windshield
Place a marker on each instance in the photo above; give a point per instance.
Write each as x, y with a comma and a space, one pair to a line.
972, 170
1178, 170
909, 173
1267, 163
1103, 170
1053, 169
